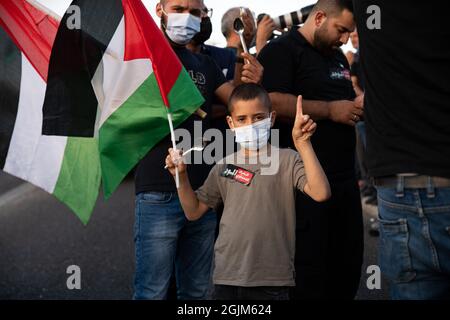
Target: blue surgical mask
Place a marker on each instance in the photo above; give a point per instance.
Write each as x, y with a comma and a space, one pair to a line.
254, 136
182, 27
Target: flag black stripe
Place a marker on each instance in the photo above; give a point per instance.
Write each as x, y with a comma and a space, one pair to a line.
10, 75
70, 103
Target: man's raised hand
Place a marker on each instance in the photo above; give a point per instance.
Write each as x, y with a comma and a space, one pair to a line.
304, 126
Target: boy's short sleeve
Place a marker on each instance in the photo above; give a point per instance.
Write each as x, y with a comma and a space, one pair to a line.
209, 192
299, 174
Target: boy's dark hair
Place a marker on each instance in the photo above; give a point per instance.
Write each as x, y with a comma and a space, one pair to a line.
249, 91
333, 7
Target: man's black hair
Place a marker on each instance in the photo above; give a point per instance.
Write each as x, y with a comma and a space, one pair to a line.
333, 7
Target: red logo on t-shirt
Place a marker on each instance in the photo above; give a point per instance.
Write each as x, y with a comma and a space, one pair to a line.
243, 176
238, 174
340, 74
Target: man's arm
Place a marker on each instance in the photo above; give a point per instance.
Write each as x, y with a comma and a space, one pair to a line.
317, 186
250, 70
223, 92
247, 69
342, 111
356, 86
218, 111
263, 32
192, 207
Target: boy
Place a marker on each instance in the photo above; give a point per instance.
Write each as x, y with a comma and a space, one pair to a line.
254, 253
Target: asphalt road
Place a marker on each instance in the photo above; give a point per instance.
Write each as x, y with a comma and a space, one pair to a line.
40, 238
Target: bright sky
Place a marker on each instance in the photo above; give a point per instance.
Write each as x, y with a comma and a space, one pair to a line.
271, 7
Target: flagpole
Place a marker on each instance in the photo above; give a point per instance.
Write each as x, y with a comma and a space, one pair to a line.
44, 9
174, 146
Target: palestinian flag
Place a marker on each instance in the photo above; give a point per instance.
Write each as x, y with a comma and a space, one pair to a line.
114, 78
66, 167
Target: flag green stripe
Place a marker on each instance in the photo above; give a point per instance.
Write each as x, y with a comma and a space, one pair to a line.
79, 178
139, 124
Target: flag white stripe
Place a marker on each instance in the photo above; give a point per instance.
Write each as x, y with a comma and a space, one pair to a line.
115, 80
31, 156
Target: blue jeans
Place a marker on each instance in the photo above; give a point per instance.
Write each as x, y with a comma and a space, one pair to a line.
361, 130
164, 240
414, 247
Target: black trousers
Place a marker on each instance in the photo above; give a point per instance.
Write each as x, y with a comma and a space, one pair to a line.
329, 244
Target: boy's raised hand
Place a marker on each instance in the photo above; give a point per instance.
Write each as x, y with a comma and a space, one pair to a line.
304, 126
174, 159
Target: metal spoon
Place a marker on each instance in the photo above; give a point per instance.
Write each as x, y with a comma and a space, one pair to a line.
238, 27
196, 148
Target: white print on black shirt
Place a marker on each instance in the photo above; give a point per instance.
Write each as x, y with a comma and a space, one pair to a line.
340, 73
198, 78
200, 81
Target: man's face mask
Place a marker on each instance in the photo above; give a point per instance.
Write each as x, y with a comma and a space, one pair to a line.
181, 27
254, 136
205, 31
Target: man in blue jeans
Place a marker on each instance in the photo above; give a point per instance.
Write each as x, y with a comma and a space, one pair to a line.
407, 108
415, 236
164, 239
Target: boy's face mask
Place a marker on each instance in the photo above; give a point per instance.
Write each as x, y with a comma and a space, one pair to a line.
181, 27
254, 136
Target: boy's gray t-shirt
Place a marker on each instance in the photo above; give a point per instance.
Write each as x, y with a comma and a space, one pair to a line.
256, 243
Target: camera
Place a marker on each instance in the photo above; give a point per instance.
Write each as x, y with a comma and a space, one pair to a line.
288, 20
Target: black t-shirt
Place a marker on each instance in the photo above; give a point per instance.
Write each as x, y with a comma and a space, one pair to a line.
292, 65
407, 98
224, 57
226, 60
150, 172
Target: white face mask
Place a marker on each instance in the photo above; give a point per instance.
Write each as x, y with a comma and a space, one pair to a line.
254, 136
182, 27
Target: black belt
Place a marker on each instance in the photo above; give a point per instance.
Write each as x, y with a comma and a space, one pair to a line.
412, 182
